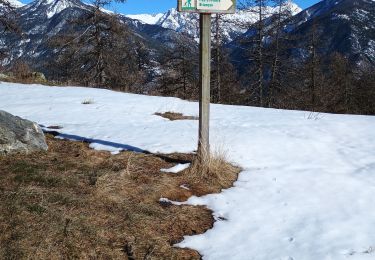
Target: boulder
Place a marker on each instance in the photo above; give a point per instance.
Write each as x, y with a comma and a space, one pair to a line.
18, 135
38, 77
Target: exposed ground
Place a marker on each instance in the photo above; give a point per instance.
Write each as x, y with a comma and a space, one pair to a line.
74, 202
176, 116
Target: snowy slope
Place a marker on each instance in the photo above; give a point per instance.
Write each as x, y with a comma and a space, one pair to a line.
307, 188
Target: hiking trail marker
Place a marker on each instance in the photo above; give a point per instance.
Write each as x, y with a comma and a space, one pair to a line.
205, 8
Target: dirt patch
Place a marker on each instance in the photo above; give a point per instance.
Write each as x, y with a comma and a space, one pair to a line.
74, 202
176, 116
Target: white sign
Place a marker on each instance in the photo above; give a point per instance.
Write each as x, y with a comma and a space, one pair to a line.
214, 5
207, 6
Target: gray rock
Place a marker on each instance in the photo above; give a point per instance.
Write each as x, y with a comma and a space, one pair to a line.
18, 135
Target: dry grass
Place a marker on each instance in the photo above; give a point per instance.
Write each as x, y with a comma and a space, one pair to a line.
76, 203
176, 116
214, 169
21, 81
25, 80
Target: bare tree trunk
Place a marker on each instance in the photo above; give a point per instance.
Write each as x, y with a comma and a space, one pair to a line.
276, 58
313, 67
260, 53
218, 72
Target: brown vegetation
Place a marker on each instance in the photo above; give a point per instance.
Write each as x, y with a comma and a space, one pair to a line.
99, 50
21, 72
176, 116
213, 169
74, 202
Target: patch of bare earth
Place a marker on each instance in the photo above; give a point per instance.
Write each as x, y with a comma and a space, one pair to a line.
176, 116
73, 202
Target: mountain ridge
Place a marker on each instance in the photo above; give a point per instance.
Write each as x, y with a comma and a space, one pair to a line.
41, 20
15, 3
188, 22
346, 27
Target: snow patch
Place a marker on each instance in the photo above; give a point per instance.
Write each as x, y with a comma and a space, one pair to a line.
176, 169
168, 201
184, 186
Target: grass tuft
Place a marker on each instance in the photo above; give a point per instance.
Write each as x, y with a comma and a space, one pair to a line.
214, 169
35, 208
87, 102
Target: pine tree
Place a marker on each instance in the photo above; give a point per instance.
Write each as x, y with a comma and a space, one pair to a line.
7, 17
277, 48
256, 51
100, 51
224, 78
8, 23
180, 69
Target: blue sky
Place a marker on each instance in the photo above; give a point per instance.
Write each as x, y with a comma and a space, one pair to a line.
158, 6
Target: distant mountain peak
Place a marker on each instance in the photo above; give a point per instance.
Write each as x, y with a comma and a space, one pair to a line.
52, 7
343, 26
15, 3
188, 22
146, 18
55, 2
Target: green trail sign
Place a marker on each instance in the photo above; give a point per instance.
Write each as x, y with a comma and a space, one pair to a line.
207, 6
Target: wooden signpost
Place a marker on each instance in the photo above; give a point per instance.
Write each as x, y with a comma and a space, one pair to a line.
205, 8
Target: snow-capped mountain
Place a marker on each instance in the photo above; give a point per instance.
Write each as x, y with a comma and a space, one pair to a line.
338, 26
41, 20
344, 26
15, 3
49, 8
188, 22
146, 18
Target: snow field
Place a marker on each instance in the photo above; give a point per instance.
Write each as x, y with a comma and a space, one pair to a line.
308, 186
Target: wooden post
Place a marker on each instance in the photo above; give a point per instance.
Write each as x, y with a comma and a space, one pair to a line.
205, 81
